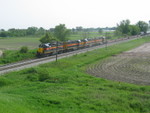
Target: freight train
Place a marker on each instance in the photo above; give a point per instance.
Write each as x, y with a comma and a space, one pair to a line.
48, 49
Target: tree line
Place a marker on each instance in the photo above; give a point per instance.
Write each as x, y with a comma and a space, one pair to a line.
34, 31
60, 32
125, 28
30, 31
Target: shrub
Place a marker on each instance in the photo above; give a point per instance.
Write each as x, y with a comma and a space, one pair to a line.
24, 49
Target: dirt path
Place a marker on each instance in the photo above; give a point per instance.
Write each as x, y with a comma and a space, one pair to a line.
132, 66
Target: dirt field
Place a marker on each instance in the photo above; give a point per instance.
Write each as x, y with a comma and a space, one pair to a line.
132, 66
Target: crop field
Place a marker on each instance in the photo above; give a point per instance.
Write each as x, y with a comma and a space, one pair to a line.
17, 43
132, 66
65, 87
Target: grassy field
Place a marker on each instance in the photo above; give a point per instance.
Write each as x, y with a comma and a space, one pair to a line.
14, 43
64, 87
10, 56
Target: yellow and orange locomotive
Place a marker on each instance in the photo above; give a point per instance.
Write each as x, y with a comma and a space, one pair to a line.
47, 49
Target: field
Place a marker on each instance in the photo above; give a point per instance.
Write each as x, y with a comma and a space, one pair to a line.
65, 87
132, 66
17, 43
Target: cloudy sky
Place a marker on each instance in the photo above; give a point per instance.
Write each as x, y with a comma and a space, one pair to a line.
72, 13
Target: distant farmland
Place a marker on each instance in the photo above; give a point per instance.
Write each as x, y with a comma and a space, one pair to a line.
16, 43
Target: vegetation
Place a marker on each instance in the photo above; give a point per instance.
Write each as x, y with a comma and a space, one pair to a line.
11, 56
30, 31
64, 87
48, 37
24, 49
143, 26
124, 28
61, 32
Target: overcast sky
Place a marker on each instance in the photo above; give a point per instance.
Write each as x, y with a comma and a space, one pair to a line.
72, 13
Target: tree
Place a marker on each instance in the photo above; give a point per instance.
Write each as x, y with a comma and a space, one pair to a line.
100, 30
47, 38
143, 26
134, 30
124, 27
31, 30
61, 32
79, 28
4, 34
41, 31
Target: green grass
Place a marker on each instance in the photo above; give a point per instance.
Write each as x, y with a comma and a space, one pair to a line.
13, 43
64, 87
10, 56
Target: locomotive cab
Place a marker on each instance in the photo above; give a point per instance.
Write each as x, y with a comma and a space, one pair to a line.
40, 51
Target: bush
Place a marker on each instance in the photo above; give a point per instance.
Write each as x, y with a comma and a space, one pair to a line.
24, 49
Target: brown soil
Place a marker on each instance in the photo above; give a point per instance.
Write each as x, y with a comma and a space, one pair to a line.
132, 66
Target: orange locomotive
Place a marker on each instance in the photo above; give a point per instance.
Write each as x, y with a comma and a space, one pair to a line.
61, 47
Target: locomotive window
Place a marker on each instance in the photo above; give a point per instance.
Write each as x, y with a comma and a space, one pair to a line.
40, 45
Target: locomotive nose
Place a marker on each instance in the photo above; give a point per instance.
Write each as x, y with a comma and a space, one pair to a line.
40, 50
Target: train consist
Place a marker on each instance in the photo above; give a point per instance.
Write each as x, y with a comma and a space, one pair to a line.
48, 49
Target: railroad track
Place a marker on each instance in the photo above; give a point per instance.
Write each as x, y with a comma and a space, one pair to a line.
35, 62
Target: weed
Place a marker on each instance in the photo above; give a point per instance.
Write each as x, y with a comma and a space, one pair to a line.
24, 49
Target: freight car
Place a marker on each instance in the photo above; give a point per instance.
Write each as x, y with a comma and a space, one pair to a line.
48, 49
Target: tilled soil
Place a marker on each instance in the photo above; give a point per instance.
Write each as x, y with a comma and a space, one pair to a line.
132, 66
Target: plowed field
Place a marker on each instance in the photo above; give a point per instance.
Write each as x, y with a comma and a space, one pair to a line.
132, 66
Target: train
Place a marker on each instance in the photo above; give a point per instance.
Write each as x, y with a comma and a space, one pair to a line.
48, 49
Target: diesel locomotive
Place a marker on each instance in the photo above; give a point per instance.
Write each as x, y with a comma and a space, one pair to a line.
48, 49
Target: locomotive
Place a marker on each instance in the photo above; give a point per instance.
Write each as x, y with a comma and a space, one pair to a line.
47, 49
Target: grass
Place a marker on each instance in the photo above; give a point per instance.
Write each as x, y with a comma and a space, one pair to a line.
64, 87
10, 56
13, 43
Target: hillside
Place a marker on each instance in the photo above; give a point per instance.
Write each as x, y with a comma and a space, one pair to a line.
65, 87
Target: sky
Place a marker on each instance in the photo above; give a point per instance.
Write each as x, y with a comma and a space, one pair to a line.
86, 13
